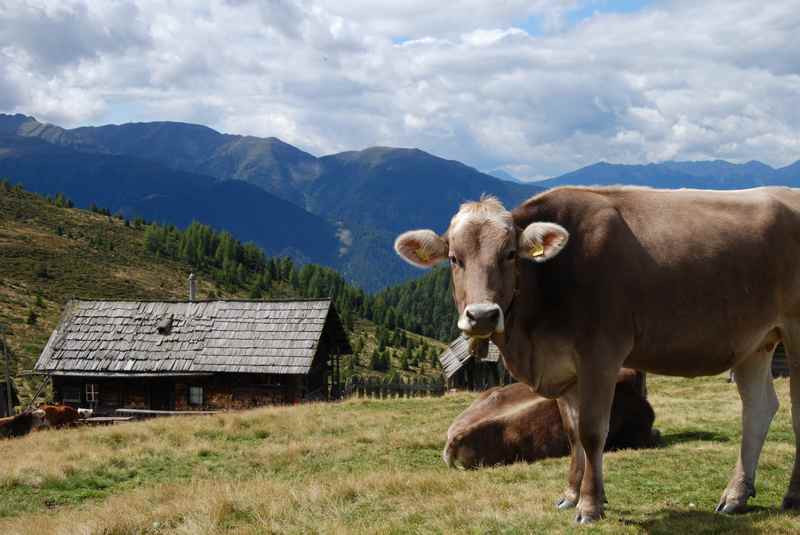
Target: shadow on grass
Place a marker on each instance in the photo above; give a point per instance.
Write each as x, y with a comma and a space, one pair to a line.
671, 439
672, 521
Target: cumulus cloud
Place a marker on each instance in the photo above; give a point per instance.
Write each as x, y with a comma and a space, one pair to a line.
518, 84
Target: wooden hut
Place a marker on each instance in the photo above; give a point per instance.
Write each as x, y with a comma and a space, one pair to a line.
463, 370
204, 355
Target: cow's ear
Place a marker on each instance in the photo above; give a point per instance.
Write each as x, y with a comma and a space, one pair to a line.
421, 248
542, 241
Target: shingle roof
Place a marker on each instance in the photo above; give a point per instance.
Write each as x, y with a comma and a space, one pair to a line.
457, 354
138, 337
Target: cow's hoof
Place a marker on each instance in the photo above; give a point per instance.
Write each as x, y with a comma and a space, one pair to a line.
731, 508
585, 518
791, 502
565, 503
734, 501
587, 515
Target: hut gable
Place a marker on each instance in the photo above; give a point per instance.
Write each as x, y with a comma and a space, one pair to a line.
140, 337
457, 354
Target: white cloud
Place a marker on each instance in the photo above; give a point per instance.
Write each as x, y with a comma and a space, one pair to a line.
413, 19
459, 79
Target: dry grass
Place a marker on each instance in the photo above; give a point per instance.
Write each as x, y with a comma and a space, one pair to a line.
374, 467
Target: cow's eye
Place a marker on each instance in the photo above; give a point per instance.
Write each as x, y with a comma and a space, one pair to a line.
455, 261
511, 255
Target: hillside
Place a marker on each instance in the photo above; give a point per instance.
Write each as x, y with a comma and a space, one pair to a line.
424, 305
139, 188
375, 466
51, 253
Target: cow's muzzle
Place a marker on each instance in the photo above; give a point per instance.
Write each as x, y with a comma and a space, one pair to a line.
481, 320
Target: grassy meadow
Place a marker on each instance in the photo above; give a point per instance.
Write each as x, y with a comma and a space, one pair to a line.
374, 466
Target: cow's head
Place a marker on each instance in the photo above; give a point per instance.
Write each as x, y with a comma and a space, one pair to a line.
39, 419
484, 247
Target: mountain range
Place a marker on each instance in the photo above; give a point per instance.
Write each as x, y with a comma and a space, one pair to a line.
342, 210
713, 174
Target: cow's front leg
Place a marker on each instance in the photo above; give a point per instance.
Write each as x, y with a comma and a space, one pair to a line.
568, 407
596, 394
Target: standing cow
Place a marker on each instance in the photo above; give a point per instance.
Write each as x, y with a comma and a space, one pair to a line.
59, 416
577, 282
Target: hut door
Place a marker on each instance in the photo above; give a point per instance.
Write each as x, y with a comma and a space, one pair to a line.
160, 396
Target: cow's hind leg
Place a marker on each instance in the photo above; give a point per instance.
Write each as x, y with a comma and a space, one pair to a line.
759, 405
568, 407
791, 341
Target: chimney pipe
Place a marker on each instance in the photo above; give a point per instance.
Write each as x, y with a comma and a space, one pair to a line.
192, 288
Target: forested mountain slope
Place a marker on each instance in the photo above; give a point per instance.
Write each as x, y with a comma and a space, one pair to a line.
51, 252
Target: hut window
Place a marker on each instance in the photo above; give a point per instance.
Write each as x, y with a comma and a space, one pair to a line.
92, 392
71, 394
196, 395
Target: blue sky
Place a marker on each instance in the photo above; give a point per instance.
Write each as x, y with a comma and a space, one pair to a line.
607, 6
534, 26
535, 87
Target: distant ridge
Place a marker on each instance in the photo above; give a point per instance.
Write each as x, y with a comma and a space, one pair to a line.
715, 174
504, 175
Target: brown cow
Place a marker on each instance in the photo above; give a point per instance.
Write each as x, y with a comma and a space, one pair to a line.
60, 415
22, 424
577, 282
513, 423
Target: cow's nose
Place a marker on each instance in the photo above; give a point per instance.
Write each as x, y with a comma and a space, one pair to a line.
481, 319
483, 315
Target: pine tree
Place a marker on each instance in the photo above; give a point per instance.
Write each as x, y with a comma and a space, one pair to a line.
376, 360
404, 361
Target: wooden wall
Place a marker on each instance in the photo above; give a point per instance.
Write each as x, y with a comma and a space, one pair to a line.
220, 391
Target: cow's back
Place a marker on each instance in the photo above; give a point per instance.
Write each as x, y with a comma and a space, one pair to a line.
672, 271
60, 415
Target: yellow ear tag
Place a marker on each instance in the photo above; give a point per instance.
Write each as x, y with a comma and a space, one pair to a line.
537, 250
422, 254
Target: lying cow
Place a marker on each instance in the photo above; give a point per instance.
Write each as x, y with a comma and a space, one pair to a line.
513, 423
577, 282
22, 424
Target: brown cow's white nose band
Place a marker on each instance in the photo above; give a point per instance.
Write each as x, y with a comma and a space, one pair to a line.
485, 318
